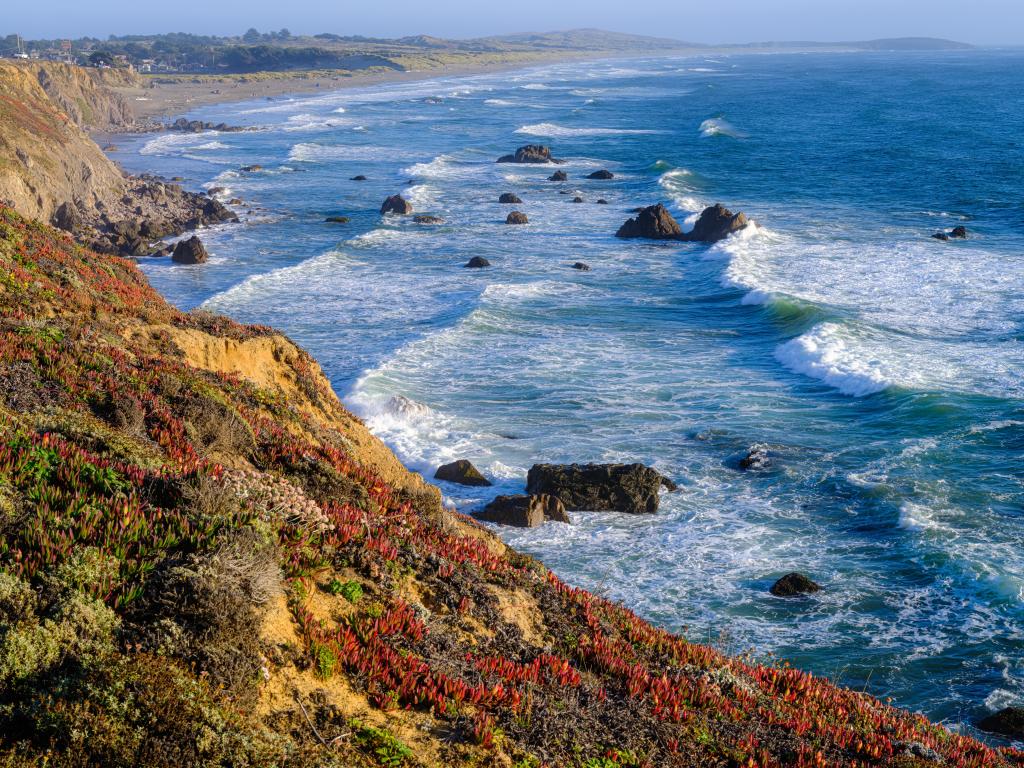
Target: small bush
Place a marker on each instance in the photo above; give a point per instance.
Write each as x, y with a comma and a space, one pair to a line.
388, 750
350, 590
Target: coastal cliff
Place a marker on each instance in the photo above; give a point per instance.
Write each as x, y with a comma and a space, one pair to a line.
206, 559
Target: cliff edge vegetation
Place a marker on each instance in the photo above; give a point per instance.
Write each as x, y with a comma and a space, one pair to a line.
206, 560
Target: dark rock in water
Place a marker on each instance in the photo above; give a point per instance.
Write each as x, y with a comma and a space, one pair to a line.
531, 153
757, 458
110, 148
461, 472
653, 223
794, 584
337, 219
602, 201
581, 266
508, 197
958, 232
602, 174
477, 262
715, 223
396, 204
360, 177
558, 176
1008, 722
517, 217
251, 168
564, 192
216, 191
190, 251
596, 487
577, 199
524, 511
68, 218
235, 201
424, 219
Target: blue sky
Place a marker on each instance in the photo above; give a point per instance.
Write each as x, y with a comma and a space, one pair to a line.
975, 21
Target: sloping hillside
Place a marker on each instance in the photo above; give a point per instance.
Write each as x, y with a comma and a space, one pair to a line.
206, 560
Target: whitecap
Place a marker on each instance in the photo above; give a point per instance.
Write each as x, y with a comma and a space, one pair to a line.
719, 126
553, 129
827, 352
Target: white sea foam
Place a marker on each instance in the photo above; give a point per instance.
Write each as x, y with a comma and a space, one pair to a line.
828, 353
311, 152
177, 144
553, 129
499, 103
719, 126
535, 87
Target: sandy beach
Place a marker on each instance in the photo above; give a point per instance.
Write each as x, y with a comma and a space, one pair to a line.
161, 97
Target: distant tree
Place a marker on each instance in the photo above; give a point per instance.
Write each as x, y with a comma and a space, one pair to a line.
101, 58
252, 35
284, 34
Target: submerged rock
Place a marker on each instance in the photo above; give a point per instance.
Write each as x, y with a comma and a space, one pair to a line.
602, 201
396, 204
602, 174
461, 472
190, 251
1007, 722
524, 511
581, 266
577, 199
251, 168
517, 217
757, 457
652, 223
531, 153
424, 219
558, 176
958, 232
337, 219
360, 177
477, 262
794, 584
629, 488
508, 197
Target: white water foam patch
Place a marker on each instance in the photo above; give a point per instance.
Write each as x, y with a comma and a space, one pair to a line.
179, 144
680, 185
311, 152
830, 352
719, 126
311, 122
560, 131
444, 167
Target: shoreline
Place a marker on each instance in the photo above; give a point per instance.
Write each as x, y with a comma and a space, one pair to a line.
155, 102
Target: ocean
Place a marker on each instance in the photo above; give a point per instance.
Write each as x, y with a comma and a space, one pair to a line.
880, 367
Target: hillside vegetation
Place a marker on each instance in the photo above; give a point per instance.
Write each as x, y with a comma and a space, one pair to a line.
206, 560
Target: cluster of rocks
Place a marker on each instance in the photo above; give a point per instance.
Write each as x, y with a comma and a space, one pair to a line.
149, 210
184, 125
656, 223
531, 153
956, 233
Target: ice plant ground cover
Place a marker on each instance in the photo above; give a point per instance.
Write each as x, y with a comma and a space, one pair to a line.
203, 563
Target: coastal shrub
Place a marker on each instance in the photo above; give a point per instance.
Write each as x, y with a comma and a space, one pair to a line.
388, 751
350, 590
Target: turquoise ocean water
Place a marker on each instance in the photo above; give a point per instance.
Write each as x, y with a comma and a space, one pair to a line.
882, 368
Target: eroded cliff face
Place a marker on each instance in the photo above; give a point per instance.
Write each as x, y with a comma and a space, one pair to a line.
46, 157
87, 96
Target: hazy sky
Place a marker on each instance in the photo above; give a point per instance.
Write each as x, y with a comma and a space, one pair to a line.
974, 21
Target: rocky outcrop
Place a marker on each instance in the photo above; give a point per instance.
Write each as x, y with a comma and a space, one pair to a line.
524, 511
956, 233
477, 262
509, 199
461, 472
397, 205
517, 217
602, 201
1008, 721
793, 584
652, 223
577, 199
558, 176
601, 175
337, 219
715, 223
184, 125
191, 251
360, 177
531, 153
629, 488
582, 267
